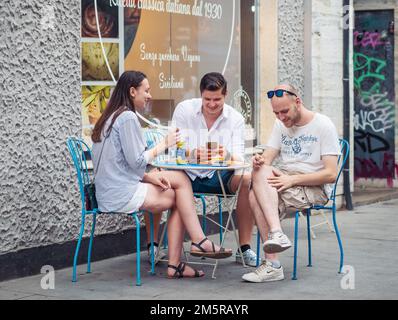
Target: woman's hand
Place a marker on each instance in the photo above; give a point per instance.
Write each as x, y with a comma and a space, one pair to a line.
170, 140
158, 179
172, 137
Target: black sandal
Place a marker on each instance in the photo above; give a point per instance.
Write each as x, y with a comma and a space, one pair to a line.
179, 272
220, 254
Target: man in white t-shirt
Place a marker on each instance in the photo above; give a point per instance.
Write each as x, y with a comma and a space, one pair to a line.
210, 119
308, 147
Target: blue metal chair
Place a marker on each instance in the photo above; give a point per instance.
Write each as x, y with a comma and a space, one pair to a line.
345, 150
81, 153
202, 197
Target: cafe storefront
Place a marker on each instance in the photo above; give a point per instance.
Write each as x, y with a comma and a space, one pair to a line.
59, 70
174, 43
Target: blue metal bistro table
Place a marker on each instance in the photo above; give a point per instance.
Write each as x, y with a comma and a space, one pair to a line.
234, 165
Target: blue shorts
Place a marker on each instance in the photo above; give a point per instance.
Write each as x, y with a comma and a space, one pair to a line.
212, 185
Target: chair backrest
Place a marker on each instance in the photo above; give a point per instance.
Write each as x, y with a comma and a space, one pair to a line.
344, 153
153, 137
81, 154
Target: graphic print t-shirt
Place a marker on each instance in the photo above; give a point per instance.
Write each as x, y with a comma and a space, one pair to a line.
301, 148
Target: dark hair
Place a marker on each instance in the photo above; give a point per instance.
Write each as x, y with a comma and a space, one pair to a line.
213, 81
119, 102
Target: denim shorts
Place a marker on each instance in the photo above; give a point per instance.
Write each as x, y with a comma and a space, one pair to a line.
212, 185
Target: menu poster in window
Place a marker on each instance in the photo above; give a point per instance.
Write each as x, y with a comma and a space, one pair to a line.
174, 42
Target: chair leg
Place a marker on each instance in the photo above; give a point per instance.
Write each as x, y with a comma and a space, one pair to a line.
312, 232
137, 232
309, 238
294, 277
220, 217
258, 249
90, 246
327, 221
165, 238
163, 235
78, 248
152, 240
204, 222
204, 225
336, 229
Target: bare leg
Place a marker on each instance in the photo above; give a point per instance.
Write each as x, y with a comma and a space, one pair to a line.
185, 203
180, 196
243, 212
156, 222
261, 222
176, 231
158, 201
267, 196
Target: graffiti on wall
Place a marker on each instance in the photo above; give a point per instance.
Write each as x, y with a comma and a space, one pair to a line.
374, 117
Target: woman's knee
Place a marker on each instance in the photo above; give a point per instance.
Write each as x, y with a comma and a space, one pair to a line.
181, 179
169, 199
159, 202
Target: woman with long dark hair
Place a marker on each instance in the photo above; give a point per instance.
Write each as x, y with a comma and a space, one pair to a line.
120, 158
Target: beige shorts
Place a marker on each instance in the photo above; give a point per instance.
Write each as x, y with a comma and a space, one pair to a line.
300, 197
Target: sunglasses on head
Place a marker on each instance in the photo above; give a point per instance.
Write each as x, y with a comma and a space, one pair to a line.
279, 93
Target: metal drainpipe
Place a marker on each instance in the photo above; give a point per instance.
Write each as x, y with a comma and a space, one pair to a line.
346, 108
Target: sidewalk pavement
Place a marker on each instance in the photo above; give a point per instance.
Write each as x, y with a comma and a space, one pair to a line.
370, 238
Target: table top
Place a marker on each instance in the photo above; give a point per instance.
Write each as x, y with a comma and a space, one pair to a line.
234, 165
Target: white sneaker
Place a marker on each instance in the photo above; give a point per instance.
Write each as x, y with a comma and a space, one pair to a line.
277, 242
158, 254
249, 256
265, 273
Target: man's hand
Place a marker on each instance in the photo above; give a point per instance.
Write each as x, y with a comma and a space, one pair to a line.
205, 154
220, 151
281, 181
258, 161
201, 154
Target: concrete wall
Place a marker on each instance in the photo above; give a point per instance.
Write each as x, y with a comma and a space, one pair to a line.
327, 68
281, 50
40, 101
327, 60
291, 43
268, 43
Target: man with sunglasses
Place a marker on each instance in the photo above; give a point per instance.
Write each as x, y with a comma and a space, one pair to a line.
308, 147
